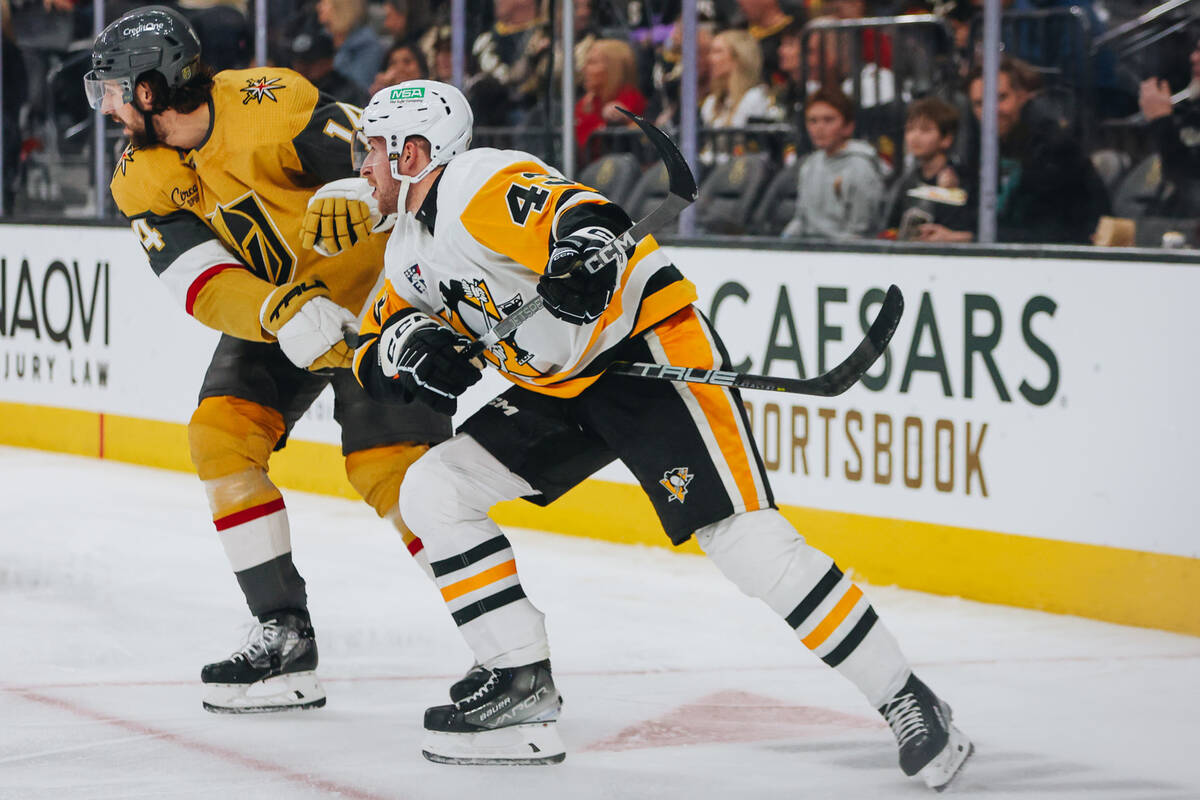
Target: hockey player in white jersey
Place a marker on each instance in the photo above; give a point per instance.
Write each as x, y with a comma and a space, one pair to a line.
481, 232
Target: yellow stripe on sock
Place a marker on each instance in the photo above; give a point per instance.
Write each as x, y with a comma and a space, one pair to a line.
498, 572
833, 618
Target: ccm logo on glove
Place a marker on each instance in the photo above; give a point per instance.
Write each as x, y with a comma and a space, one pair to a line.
573, 293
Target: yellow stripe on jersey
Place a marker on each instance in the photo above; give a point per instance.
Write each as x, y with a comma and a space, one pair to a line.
513, 213
685, 343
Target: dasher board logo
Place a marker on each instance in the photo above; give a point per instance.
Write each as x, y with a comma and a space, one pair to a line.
411, 93
676, 481
261, 88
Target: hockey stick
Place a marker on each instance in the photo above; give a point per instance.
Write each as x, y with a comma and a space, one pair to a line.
831, 384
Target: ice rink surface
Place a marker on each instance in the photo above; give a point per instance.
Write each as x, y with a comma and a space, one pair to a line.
114, 591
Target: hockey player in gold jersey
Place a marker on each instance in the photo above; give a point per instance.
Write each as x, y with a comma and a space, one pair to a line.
482, 232
216, 182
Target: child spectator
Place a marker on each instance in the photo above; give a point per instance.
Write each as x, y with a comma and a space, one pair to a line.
609, 81
841, 181
929, 203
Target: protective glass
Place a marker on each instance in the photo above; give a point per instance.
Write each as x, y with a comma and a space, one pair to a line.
107, 93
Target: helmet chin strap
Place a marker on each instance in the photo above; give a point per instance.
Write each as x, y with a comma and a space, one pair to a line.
405, 182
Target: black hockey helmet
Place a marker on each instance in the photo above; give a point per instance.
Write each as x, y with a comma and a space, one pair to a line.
145, 39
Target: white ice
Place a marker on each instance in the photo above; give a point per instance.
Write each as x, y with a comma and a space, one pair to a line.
114, 591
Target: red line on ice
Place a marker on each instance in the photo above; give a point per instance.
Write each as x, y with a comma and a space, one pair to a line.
258, 765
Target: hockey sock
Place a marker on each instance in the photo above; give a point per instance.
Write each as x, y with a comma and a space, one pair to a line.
445, 499
766, 558
252, 523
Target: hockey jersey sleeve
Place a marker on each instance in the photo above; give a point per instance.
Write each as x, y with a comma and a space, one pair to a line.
209, 281
519, 212
321, 150
366, 355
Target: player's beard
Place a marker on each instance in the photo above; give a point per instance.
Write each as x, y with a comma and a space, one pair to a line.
147, 136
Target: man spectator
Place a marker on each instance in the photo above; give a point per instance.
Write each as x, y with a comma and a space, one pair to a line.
767, 21
929, 203
357, 50
515, 52
1048, 190
1175, 131
313, 57
841, 181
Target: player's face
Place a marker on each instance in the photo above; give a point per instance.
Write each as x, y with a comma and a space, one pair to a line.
378, 171
132, 123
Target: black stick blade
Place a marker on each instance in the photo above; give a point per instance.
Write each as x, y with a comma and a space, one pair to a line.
682, 182
848, 373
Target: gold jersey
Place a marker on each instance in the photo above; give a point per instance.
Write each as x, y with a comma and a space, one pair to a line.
221, 223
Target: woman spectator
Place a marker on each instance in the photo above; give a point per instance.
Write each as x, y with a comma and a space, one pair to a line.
359, 52
404, 62
738, 95
609, 81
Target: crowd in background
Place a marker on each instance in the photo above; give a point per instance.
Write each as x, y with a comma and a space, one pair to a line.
876, 127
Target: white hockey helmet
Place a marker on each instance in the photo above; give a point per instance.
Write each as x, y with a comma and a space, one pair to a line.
431, 109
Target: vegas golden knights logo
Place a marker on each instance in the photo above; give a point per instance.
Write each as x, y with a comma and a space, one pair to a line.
246, 227
676, 481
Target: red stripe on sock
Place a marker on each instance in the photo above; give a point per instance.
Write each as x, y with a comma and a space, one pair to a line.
415, 546
242, 517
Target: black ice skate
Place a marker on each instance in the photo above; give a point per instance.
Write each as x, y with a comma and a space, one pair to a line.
476, 677
930, 746
274, 671
511, 717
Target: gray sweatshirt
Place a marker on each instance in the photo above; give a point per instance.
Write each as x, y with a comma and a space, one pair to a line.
841, 196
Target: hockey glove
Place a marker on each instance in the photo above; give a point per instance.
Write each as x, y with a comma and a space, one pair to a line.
425, 359
340, 214
570, 292
308, 325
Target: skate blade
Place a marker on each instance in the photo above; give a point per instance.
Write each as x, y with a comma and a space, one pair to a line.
946, 765
532, 743
293, 691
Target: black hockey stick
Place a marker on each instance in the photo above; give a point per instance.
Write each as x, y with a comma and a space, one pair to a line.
831, 384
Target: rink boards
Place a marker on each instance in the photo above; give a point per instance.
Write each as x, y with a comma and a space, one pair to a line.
1028, 439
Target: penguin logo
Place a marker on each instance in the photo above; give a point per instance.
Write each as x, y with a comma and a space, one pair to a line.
676, 481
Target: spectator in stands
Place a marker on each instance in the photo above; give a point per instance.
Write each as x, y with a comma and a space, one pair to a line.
1048, 191
16, 92
767, 21
737, 95
667, 72
223, 30
842, 180
515, 53
788, 97
435, 45
313, 57
404, 20
609, 81
1175, 132
358, 52
929, 203
404, 62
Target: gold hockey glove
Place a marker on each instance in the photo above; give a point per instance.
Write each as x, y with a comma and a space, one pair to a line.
308, 324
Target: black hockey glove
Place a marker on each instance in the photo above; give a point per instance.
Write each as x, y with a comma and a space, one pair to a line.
570, 292
425, 361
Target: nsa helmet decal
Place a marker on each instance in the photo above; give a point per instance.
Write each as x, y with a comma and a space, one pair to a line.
411, 93
676, 481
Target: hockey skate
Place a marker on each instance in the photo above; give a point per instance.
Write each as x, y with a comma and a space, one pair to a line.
476, 677
511, 717
274, 670
930, 745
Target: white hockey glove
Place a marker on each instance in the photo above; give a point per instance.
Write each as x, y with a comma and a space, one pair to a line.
308, 325
425, 360
570, 292
341, 213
